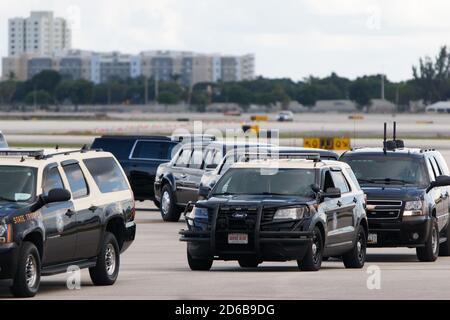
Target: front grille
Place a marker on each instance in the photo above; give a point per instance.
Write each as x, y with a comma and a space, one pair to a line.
384, 209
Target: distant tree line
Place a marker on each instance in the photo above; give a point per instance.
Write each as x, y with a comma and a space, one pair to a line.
430, 83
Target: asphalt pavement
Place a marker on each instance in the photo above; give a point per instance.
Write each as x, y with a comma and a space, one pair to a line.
155, 267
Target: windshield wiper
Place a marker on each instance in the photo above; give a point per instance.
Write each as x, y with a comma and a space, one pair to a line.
387, 180
7, 199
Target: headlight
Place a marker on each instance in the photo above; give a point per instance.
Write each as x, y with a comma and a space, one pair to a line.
413, 208
291, 213
198, 213
5, 233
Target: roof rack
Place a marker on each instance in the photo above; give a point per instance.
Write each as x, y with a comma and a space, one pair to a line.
275, 155
193, 137
83, 149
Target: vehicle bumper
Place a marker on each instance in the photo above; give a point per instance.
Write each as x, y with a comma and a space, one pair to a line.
410, 232
9, 255
267, 246
129, 235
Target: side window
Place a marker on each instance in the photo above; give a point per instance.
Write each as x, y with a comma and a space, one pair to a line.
352, 176
196, 160
107, 174
152, 150
442, 163
339, 181
52, 180
76, 179
218, 156
328, 181
209, 157
183, 158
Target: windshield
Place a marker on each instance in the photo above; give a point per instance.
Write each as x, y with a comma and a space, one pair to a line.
387, 170
17, 184
255, 181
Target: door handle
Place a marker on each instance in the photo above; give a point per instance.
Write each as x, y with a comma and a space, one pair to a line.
93, 208
70, 213
339, 203
355, 200
183, 175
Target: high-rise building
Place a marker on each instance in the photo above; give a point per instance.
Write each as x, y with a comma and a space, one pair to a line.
41, 34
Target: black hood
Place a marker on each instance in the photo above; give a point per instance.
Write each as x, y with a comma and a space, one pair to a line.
248, 200
393, 192
8, 208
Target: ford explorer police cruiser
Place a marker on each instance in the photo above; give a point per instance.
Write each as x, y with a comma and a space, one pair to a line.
60, 208
407, 197
279, 210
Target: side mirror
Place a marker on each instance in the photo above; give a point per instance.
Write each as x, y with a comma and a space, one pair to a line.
203, 192
315, 187
440, 181
332, 193
211, 166
57, 195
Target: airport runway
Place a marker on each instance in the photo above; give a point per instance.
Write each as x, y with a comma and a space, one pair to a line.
155, 267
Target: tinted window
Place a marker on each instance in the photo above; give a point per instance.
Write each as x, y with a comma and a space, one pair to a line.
17, 184
76, 179
209, 157
153, 150
183, 158
52, 180
107, 174
258, 181
119, 147
196, 160
339, 181
392, 170
3, 143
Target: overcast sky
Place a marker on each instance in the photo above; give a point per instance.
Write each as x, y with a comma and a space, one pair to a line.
290, 38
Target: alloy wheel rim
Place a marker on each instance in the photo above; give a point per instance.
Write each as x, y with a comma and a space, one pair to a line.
165, 202
316, 249
110, 259
434, 240
360, 248
31, 271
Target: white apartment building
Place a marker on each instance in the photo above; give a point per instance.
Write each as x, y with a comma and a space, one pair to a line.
41, 34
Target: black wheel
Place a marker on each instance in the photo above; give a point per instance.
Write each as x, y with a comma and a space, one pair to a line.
313, 257
444, 248
28, 275
356, 257
157, 204
106, 271
199, 264
430, 251
169, 209
248, 263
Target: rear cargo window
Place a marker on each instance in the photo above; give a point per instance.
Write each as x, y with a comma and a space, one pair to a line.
153, 150
107, 174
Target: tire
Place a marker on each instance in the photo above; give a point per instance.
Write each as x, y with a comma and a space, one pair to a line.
430, 251
106, 271
28, 275
355, 258
199, 264
248, 263
444, 248
169, 210
157, 204
313, 257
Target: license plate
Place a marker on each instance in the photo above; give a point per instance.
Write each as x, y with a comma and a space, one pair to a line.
373, 238
238, 238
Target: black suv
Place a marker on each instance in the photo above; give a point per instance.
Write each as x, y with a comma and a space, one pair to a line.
140, 156
178, 181
279, 210
59, 209
407, 197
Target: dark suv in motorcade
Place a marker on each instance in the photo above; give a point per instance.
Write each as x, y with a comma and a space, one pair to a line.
178, 181
60, 209
407, 197
279, 210
140, 156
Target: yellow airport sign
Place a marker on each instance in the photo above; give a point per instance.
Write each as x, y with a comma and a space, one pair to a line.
329, 143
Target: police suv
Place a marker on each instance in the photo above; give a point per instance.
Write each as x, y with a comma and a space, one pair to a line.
62, 208
279, 210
